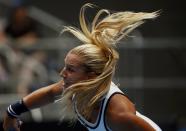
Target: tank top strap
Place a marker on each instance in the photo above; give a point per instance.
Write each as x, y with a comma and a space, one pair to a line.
113, 90
100, 124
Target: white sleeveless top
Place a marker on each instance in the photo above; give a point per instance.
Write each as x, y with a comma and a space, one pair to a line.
100, 124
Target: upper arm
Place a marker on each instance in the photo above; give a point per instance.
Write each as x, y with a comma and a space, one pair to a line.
57, 88
43, 95
130, 122
54, 90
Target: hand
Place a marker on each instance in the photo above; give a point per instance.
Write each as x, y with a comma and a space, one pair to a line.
11, 124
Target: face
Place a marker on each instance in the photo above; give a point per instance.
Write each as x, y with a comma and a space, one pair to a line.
74, 71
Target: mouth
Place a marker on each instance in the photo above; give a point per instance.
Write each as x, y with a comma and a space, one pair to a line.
67, 83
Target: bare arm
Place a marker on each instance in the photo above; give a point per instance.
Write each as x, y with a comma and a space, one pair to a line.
36, 99
121, 116
130, 122
43, 96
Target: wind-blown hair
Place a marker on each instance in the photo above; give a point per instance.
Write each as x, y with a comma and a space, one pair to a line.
98, 54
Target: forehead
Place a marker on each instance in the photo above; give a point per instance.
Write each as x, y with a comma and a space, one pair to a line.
73, 59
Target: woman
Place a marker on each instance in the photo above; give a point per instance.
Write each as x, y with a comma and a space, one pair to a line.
88, 93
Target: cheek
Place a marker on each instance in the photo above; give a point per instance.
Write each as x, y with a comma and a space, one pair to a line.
79, 77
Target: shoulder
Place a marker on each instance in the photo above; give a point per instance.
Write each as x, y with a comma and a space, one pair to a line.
121, 115
118, 109
119, 104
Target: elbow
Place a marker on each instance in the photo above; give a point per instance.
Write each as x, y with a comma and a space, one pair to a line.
55, 92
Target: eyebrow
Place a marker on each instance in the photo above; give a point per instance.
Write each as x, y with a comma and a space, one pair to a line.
70, 65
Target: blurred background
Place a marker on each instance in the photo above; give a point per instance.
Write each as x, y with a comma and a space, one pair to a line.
151, 70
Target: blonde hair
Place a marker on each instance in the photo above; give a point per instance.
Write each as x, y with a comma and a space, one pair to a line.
98, 54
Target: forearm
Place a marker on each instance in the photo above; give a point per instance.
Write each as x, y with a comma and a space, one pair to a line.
36, 99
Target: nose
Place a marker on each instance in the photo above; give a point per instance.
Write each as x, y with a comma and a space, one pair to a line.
63, 73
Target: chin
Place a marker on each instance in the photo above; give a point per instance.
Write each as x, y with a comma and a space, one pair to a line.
66, 86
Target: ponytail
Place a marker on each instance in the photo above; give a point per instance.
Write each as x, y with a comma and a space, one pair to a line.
98, 53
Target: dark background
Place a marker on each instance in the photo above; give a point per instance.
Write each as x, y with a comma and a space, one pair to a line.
162, 60
171, 22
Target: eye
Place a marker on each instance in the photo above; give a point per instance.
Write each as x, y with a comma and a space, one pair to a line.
70, 69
